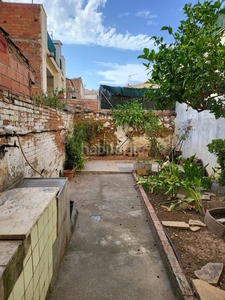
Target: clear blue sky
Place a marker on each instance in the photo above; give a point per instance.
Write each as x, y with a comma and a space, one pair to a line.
102, 38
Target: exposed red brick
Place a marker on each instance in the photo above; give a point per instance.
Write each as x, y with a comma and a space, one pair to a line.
3, 43
15, 87
12, 63
12, 74
23, 23
6, 82
4, 69
4, 58
92, 104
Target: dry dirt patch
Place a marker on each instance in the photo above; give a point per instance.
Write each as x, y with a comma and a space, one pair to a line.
194, 249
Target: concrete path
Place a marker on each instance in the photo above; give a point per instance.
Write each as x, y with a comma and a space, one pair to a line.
112, 254
113, 166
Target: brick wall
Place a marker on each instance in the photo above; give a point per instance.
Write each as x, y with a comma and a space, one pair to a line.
43, 146
77, 85
90, 104
16, 73
23, 23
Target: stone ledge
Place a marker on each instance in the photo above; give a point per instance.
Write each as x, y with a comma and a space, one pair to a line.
12, 254
178, 279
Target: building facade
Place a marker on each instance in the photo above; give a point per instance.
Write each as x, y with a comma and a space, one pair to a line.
27, 26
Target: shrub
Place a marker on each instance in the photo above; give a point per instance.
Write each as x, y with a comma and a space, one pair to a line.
217, 147
172, 179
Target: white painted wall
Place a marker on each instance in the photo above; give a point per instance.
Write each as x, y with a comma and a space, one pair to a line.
205, 129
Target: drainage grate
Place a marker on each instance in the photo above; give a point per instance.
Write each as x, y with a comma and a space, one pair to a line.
95, 218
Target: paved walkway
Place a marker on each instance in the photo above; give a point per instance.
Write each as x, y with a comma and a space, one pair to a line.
113, 166
112, 254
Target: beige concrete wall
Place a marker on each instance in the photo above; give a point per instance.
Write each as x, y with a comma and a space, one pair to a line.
91, 94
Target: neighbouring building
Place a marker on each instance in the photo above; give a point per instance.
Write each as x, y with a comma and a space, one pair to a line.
75, 88
16, 74
92, 94
27, 26
143, 85
77, 95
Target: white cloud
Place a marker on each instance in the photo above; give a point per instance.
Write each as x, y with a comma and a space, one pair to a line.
146, 14
143, 14
81, 22
121, 75
124, 14
151, 23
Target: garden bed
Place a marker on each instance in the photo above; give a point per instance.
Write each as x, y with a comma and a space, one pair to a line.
194, 249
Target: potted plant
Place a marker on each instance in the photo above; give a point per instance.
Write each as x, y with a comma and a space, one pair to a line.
69, 165
143, 152
61, 93
74, 151
72, 92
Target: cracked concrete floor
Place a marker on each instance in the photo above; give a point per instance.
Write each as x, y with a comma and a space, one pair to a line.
112, 253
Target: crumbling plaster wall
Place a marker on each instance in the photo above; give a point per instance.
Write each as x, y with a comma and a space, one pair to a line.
42, 133
114, 140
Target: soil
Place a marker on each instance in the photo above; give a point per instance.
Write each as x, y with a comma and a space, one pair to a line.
194, 249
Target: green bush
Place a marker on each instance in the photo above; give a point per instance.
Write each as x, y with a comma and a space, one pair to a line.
217, 147
74, 146
172, 179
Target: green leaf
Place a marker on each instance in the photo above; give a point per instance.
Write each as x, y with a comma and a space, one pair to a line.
168, 28
152, 55
191, 68
146, 51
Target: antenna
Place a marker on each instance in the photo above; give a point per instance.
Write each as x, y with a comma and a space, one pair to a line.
129, 77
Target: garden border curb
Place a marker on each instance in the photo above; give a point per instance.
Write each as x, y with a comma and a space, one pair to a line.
178, 279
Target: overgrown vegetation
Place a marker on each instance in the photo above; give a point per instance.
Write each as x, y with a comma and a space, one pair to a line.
75, 145
172, 179
100, 135
217, 147
182, 135
132, 114
134, 119
190, 70
51, 99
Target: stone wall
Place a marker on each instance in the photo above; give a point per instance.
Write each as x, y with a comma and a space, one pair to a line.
92, 104
110, 139
42, 132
